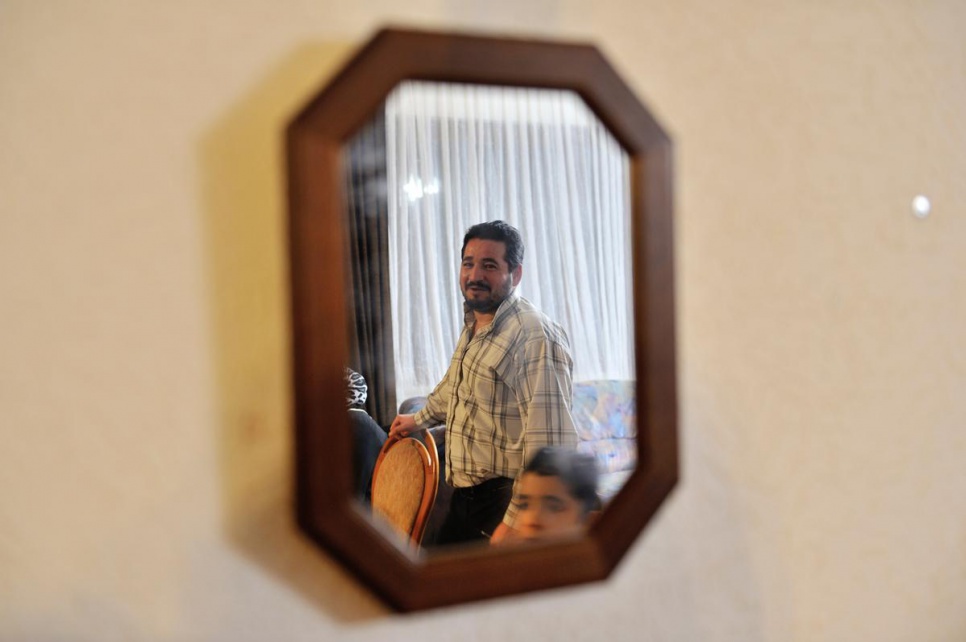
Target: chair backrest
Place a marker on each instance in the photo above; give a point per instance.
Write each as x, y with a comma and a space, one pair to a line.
404, 484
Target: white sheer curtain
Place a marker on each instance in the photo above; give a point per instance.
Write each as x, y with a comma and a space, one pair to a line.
538, 159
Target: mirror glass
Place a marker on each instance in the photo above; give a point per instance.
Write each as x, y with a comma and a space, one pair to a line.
436, 159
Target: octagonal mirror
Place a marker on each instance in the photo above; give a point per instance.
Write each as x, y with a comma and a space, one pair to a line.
419, 137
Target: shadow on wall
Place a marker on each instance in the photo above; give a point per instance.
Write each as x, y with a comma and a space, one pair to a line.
242, 162
720, 539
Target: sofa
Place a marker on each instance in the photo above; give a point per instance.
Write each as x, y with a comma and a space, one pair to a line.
605, 415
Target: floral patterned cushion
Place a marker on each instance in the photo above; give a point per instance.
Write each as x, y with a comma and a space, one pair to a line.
611, 455
605, 413
610, 483
605, 409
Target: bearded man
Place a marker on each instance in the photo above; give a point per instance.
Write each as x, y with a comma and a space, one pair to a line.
507, 393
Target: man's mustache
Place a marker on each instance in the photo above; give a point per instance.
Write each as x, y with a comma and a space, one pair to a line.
477, 284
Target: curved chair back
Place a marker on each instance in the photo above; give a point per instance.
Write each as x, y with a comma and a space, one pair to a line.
404, 484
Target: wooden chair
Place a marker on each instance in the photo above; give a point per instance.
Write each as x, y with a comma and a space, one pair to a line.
404, 484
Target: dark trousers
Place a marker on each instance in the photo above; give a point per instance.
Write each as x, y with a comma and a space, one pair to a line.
367, 440
476, 511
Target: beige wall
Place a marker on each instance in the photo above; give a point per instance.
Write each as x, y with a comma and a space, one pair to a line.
144, 392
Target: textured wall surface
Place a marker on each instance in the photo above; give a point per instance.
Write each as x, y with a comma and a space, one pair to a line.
145, 408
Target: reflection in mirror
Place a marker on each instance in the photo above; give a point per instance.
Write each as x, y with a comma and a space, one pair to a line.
439, 158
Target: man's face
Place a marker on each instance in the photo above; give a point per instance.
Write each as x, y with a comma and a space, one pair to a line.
485, 277
547, 509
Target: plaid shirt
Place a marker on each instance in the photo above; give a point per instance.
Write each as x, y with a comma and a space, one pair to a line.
507, 393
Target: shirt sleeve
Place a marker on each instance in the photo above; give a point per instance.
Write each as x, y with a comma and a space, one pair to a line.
545, 398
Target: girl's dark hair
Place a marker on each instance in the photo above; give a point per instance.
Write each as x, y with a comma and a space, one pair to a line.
356, 389
577, 471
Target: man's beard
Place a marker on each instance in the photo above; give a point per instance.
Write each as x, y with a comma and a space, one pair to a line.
490, 303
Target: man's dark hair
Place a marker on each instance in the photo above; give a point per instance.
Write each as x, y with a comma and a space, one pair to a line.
498, 231
577, 471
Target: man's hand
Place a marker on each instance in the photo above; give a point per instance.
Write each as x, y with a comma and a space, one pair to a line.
402, 426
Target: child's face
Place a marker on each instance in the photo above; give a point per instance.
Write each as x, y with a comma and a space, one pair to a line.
547, 509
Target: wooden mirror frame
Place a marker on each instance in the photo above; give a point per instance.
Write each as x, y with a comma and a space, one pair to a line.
326, 508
